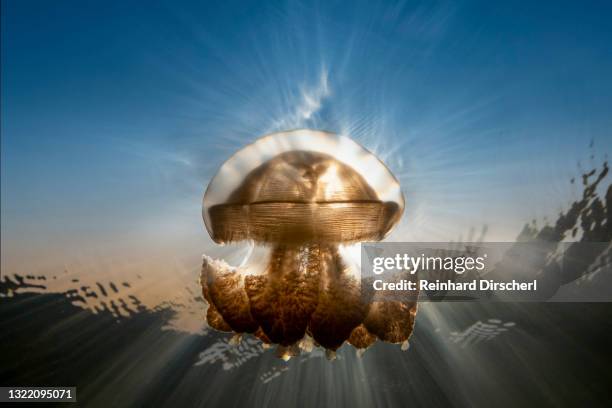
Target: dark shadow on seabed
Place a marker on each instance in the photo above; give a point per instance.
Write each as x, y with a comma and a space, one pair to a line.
551, 354
462, 354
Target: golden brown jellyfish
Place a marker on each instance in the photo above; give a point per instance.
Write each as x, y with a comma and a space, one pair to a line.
302, 198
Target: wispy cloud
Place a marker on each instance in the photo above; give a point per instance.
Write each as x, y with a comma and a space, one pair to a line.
312, 99
309, 102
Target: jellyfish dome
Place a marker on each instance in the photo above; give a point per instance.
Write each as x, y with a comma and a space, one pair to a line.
301, 195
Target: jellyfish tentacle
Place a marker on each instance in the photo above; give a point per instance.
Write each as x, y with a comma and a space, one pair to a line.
341, 307
213, 317
225, 287
361, 338
391, 321
283, 299
391, 315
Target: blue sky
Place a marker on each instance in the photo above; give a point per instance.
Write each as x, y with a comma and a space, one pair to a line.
116, 114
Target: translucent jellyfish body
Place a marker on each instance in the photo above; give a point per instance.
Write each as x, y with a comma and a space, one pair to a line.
302, 197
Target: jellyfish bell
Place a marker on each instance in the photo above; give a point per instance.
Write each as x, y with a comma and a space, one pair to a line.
345, 173
301, 196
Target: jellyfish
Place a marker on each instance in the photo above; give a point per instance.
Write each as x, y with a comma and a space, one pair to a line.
302, 199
